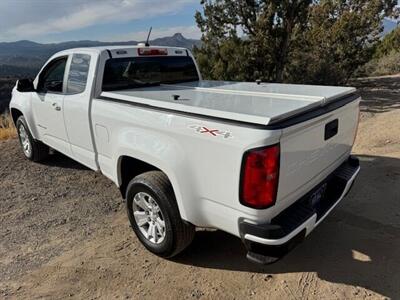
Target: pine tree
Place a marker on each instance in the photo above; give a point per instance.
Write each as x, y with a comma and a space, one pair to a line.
290, 40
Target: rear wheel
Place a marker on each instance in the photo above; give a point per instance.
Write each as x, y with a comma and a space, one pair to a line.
32, 149
154, 215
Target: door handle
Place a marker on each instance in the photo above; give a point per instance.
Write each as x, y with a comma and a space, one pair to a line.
56, 107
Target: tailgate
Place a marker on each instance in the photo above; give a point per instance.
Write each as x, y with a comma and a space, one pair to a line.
311, 150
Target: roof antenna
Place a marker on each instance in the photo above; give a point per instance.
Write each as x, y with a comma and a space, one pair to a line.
148, 36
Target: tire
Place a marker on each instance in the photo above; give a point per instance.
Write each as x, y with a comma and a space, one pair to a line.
33, 150
155, 186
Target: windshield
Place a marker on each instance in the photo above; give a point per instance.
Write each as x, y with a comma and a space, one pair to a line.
136, 72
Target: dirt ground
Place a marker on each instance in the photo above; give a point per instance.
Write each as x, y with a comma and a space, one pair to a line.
64, 233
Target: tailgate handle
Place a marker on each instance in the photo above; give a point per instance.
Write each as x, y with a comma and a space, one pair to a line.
331, 129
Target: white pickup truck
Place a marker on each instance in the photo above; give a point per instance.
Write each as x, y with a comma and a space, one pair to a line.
265, 162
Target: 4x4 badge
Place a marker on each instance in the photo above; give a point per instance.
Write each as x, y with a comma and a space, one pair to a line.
213, 132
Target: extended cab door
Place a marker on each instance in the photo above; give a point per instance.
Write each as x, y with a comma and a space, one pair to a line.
48, 104
77, 102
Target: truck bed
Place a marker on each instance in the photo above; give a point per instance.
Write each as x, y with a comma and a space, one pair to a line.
262, 104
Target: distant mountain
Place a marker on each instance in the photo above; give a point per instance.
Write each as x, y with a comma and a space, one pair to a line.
24, 58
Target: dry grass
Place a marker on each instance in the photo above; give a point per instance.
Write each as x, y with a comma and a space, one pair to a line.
7, 129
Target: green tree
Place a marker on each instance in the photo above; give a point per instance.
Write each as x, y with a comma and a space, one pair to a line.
340, 38
391, 43
386, 57
291, 40
249, 39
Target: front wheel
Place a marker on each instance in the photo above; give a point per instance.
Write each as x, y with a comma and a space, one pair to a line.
154, 215
32, 149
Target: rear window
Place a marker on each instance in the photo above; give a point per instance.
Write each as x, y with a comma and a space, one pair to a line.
136, 72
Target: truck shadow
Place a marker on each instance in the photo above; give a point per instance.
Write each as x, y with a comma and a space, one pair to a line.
378, 94
60, 160
358, 244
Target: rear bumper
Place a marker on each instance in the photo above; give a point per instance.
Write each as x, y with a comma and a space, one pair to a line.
266, 243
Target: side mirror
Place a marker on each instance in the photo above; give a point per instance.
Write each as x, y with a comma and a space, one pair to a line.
25, 85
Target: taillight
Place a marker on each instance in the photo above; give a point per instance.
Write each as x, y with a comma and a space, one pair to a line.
260, 175
152, 51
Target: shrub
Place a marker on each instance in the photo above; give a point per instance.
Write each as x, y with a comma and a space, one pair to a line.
385, 65
7, 129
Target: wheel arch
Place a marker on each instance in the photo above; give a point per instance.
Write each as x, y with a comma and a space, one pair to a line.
15, 114
128, 167
21, 105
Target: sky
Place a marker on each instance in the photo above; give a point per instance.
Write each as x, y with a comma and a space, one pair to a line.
48, 21
104, 20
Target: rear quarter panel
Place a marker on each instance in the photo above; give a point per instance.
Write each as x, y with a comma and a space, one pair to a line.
203, 168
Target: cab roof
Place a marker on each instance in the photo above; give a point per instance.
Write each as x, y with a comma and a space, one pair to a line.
122, 49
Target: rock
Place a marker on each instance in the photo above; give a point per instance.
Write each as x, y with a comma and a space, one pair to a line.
268, 277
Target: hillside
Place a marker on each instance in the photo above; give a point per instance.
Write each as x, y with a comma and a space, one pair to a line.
6, 85
386, 57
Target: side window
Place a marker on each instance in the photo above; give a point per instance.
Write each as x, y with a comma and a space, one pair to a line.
78, 73
52, 77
